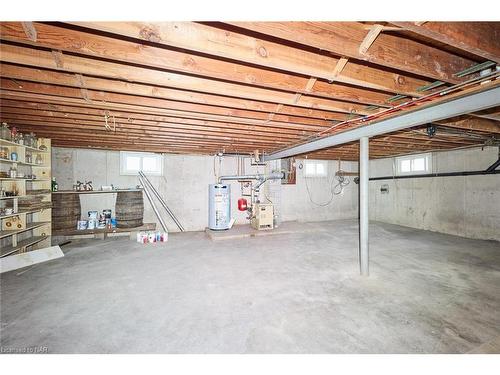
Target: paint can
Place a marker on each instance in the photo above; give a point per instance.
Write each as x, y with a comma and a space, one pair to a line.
151, 237
82, 225
101, 224
142, 237
107, 213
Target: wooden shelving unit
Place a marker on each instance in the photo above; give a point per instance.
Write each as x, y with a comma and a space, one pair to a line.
29, 226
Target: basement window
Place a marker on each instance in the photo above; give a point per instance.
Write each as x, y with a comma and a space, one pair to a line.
414, 164
315, 168
133, 162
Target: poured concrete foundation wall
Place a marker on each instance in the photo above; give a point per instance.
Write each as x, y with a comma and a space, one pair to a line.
185, 187
307, 200
467, 206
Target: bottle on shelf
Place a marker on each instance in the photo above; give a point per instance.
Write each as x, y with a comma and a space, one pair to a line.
39, 159
55, 185
27, 140
13, 134
34, 140
13, 172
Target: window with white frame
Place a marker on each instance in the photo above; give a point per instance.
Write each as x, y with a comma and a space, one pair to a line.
414, 164
133, 162
315, 168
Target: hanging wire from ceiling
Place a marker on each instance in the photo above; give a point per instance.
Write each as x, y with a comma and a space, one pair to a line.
107, 117
337, 189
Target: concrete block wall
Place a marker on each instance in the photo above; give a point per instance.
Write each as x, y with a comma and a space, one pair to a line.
185, 187
467, 206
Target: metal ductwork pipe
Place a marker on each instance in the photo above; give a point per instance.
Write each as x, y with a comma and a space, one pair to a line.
261, 178
258, 177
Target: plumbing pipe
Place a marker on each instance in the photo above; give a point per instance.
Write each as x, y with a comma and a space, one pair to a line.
316, 139
162, 202
471, 102
408, 103
442, 174
261, 178
150, 199
258, 177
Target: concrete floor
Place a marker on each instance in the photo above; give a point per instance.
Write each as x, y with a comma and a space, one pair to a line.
298, 293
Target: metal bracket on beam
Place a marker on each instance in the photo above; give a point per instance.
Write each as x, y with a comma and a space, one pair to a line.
475, 68
430, 86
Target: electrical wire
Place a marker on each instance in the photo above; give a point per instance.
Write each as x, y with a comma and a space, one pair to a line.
410, 103
270, 201
216, 175
334, 189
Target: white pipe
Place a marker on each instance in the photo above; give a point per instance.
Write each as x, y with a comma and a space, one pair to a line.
363, 207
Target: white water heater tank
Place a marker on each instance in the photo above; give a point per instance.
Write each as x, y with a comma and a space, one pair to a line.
219, 206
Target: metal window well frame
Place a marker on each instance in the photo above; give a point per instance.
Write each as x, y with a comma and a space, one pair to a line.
468, 103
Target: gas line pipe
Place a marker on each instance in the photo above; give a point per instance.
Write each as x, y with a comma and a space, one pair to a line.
260, 178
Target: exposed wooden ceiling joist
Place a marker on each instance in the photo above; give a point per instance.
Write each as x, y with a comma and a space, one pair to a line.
159, 131
87, 66
240, 47
21, 73
159, 106
230, 87
64, 39
388, 50
478, 38
143, 121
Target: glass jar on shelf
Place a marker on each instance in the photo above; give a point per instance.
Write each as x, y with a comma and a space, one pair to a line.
29, 157
39, 159
34, 140
27, 140
13, 172
20, 139
5, 132
4, 153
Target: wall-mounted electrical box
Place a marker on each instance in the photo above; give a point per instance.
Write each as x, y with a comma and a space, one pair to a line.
288, 165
